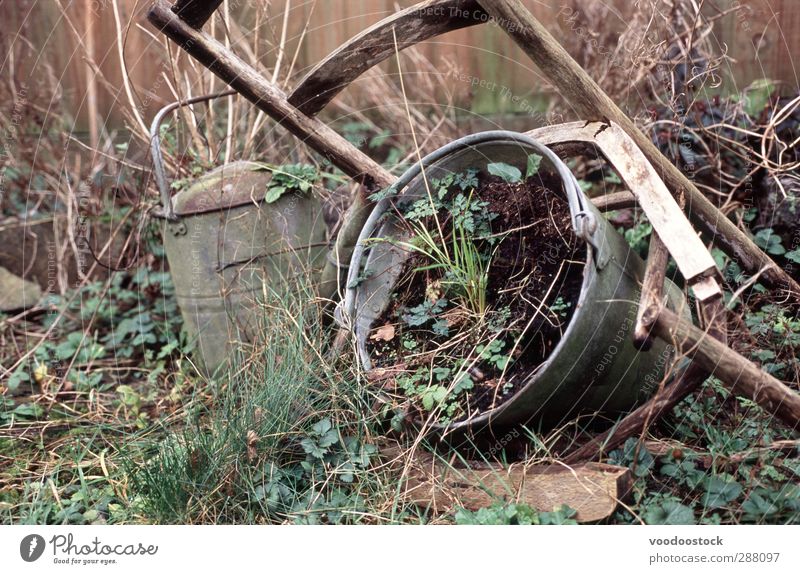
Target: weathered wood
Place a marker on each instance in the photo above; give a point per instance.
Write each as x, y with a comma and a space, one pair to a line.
195, 12
663, 212
652, 294
266, 96
635, 422
412, 25
269, 98
712, 317
593, 490
742, 376
614, 201
591, 102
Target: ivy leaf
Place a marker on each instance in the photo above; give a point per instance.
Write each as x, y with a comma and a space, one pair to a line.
507, 173
669, 513
720, 492
794, 255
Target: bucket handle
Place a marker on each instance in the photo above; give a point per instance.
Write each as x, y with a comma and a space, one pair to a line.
584, 218
167, 211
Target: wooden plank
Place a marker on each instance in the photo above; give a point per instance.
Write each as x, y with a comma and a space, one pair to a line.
375, 44
651, 193
667, 218
652, 292
594, 490
592, 103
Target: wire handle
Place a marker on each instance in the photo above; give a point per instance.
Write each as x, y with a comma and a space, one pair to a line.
584, 220
167, 211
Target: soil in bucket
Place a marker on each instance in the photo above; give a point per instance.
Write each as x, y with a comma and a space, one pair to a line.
493, 280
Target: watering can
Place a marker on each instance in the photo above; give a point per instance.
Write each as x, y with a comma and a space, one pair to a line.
226, 246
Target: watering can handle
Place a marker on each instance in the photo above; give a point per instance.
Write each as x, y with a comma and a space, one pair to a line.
584, 215
159, 172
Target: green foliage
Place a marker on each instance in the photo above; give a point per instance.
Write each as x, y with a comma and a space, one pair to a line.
265, 450
426, 312
514, 514
669, 512
297, 177
633, 454
769, 241
560, 307
492, 353
438, 388
757, 96
638, 236
696, 483
506, 172
534, 163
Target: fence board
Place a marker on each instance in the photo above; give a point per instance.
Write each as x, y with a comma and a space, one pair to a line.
764, 40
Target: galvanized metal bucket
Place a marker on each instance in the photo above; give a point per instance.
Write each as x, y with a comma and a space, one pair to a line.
225, 246
595, 367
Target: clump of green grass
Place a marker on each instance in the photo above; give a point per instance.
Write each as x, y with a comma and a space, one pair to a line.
286, 437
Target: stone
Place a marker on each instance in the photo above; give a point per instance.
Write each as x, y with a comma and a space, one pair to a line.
17, 293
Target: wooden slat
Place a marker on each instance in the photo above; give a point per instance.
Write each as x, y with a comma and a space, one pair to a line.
652, 292
594, 490
666, 216
411, 26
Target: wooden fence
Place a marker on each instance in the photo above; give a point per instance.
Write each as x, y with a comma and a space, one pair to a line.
45, 46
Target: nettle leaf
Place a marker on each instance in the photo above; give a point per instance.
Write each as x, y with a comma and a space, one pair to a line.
534, 161
507, 173
669, 513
